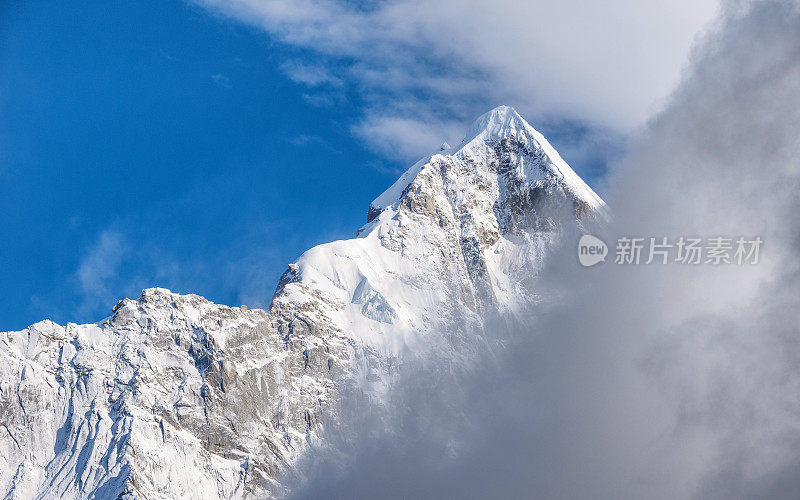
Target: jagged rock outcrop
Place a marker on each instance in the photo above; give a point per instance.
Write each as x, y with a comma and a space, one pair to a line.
170, 396
173, 396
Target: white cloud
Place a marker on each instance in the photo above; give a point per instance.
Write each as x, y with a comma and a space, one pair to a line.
608, 64
658, 382
121, 262
98, 270
401, 137
304, 140
310, 75
221, 79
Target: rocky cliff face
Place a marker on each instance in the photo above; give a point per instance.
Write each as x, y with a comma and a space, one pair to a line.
174, 396
170, 396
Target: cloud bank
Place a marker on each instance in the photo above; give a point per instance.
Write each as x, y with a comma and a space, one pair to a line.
421, 69
661, 381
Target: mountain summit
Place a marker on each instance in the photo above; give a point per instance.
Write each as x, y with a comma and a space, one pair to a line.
174, 396
494, 127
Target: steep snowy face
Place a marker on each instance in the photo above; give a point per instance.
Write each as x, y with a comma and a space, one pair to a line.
448, 241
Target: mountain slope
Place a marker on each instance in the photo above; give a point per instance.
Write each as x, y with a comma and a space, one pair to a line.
174, 396
170, 396
448, 240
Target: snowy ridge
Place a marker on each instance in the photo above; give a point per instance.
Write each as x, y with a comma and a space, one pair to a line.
173, 396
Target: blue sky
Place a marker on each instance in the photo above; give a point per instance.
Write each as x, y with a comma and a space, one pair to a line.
189, 147
176, 134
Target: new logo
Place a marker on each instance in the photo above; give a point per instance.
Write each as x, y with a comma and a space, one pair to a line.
591, 250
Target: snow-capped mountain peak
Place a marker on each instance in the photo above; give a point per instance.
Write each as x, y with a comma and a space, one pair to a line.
448, 239
491, 128
500, 122
173, 396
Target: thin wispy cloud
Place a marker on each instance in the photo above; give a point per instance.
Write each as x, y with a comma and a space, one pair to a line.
397, 136
98, 270
119, 264
221, 80
305, 140
116, 266
310, 75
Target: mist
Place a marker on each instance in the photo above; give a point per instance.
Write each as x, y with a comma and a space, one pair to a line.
640, 381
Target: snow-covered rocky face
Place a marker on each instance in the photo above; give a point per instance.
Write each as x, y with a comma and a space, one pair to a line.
459, 234
174, 396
